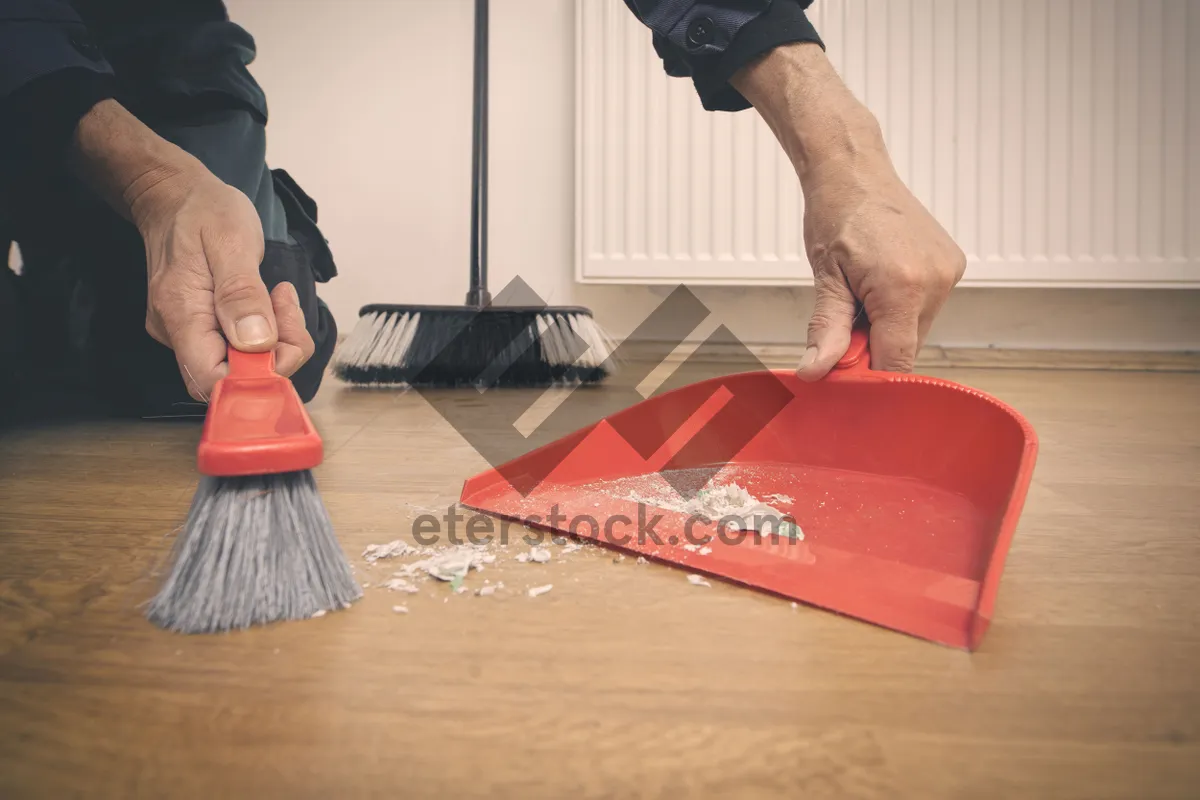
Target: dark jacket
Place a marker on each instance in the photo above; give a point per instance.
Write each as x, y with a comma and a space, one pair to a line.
58, 59
710, 41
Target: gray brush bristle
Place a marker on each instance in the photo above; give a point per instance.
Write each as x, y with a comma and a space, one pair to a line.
254, 550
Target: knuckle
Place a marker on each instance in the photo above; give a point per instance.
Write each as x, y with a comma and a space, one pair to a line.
943, 282
155, 329
959, 266
949, 269
166, 307
162, 305
904, 299
909, 280
820, 256
158, 292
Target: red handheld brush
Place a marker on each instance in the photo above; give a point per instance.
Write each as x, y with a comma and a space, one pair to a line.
258, 545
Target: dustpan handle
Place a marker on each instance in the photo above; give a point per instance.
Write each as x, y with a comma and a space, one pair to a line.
858, 354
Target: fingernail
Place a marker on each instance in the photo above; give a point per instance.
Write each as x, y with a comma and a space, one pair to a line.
806, 360
253, 329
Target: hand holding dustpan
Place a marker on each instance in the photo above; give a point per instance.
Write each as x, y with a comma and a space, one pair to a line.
907, 489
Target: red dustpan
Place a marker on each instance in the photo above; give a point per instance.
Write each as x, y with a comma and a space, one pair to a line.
907, 489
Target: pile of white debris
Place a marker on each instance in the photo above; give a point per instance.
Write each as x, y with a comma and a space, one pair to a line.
454, 564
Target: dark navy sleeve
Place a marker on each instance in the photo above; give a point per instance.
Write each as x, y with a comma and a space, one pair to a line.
710, 41
51, 74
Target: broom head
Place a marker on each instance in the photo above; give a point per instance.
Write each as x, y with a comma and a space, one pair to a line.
496, 345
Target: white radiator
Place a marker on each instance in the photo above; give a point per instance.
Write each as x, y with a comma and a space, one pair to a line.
1057, 140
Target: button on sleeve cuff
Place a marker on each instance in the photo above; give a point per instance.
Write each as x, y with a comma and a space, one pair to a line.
784, 23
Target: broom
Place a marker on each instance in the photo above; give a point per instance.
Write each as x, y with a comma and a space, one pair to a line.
514, 341
257, 546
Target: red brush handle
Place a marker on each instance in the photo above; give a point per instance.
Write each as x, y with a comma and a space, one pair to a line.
250, 365
256, 423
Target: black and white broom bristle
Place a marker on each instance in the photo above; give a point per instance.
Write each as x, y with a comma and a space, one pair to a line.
254, 550
463, 346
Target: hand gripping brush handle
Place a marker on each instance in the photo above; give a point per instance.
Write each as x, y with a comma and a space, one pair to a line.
256, 423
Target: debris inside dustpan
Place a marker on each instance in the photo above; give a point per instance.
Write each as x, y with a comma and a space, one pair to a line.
721, 500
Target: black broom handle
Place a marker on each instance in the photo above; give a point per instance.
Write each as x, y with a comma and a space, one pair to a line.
478, 295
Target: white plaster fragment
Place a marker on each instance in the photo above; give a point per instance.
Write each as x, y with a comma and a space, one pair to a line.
401, 585
392, 549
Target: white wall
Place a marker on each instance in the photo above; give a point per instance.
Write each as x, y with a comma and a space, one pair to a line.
370, 104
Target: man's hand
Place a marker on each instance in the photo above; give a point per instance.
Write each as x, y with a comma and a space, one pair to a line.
204, 245
869, 240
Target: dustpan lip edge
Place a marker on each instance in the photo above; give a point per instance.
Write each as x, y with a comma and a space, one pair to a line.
1029, 435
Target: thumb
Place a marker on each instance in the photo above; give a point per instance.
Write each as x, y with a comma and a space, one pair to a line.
243, 304
828, 329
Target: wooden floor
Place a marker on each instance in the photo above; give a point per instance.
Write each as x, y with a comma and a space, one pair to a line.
624, 680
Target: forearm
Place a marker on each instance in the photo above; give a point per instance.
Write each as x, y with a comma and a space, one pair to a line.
121, 159
816, 118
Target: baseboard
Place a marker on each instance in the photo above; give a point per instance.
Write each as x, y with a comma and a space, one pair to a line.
778, 356
1104, 360
774, 356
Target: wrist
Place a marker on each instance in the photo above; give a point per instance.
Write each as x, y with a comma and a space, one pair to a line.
132, 168
818, 121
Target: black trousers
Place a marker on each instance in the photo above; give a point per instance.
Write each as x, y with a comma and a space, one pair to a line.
72, 324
